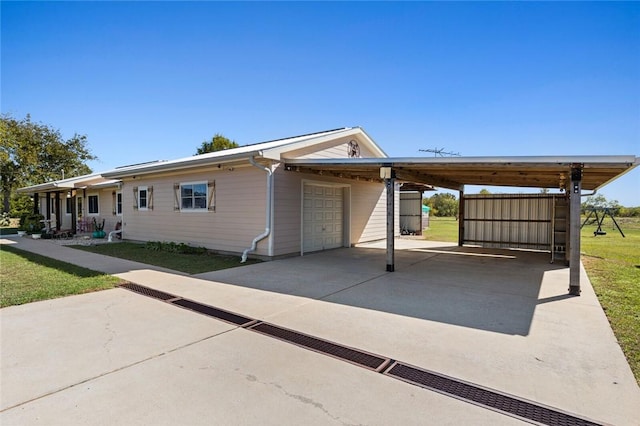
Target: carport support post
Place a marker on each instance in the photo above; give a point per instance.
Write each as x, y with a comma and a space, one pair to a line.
390, 184
461, 217
574, 230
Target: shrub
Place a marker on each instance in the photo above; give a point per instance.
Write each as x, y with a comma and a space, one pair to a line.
172, 247
5, 219
32, 223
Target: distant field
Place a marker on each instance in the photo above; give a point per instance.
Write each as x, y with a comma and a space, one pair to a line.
613, 265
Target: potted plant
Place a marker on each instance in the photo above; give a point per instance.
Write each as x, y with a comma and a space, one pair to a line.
98, 229
32, 224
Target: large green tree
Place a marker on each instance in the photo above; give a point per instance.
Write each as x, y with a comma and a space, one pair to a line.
442, 204
217, 143
32, 153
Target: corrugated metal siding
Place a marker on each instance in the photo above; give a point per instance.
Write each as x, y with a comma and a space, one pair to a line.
410, 212
508, 220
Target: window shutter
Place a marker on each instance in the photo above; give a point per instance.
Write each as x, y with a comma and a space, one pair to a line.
150, 198
211, 186
135, 198
114, 202
176, 198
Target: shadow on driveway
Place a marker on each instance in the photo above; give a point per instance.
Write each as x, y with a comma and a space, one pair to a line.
488, 289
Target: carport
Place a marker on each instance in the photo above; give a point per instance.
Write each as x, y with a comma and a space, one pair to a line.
570, 174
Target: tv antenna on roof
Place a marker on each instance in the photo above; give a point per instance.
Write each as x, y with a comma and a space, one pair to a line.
441, 152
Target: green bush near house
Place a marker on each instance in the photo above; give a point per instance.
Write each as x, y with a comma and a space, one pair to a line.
179, 257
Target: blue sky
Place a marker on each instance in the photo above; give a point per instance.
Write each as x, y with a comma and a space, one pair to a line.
152, 80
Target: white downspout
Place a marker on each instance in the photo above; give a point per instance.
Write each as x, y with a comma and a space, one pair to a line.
267, 229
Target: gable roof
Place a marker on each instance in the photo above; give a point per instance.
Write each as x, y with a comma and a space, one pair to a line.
272, 150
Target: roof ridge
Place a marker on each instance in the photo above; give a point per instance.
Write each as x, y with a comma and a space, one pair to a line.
295, 137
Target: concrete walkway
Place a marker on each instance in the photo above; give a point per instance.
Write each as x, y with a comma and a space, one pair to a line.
497, 318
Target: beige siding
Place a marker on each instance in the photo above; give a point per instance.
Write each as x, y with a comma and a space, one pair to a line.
367, 205
106, 207
240, 199
333, 149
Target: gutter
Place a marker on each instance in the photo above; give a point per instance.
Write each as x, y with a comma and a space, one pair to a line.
267, 229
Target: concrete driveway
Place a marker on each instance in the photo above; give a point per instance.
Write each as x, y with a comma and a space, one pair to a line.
499, 319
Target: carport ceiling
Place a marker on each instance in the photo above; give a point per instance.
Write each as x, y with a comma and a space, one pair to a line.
454, 172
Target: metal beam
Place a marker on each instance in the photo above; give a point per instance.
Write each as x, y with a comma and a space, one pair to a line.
420, 177
574, 230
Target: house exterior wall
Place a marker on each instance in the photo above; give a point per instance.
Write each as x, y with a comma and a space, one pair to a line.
240, 200
366, 203
330, 150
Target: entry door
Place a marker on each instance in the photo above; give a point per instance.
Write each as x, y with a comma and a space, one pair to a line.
323, 217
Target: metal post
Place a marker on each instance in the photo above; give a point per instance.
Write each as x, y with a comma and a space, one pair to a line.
461, 217
36, 203
390, 184
574, 227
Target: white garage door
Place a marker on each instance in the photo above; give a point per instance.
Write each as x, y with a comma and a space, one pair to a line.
323, 213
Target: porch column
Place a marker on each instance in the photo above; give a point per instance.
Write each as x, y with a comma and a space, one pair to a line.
389, 176
74, 219
48, 214
58, 215
36, 203
574, 230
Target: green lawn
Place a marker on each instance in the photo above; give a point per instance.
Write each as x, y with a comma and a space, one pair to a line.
613, 266
189, 263
442, 229
28, 277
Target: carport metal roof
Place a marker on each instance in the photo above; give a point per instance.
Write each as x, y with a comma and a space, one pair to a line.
455, 172
570, 173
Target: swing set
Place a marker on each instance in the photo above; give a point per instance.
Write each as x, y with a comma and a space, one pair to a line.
600, 213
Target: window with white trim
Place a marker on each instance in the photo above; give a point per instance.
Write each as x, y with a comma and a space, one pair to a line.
69, 206
193, 196
92, 201
143, 198
119, 203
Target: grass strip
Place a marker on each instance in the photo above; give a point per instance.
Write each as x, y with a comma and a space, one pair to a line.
189, 263
29, 277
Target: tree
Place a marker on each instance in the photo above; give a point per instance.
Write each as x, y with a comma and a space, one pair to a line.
484, 191
599, 201
33, 153
217, 143
443, 204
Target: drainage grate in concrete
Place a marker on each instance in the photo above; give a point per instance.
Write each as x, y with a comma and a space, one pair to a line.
214, 312
146, 291
516, 407
354, 356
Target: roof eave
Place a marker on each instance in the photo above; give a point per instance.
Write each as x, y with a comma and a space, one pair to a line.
173, 166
